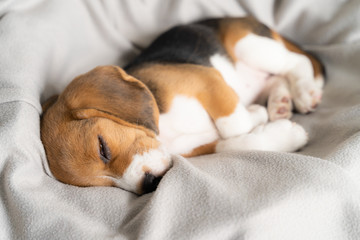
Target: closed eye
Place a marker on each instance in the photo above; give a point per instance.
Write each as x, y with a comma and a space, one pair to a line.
104, 150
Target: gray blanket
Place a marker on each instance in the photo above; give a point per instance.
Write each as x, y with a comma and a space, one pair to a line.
311, 194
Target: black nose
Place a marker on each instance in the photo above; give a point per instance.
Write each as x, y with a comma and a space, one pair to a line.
150, 183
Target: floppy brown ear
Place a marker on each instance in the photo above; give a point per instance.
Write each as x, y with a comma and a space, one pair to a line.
90, 113
112, 92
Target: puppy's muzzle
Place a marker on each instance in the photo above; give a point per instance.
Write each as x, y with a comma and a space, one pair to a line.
150, 183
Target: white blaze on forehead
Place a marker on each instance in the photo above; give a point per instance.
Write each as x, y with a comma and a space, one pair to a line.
155, 161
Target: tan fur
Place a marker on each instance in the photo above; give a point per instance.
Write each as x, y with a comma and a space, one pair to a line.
70, 127
202, 150
231, 30
200, 82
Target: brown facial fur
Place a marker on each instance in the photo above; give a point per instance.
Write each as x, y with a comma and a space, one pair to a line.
72, 122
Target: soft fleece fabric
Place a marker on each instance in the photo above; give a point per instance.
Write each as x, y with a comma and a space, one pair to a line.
312, 194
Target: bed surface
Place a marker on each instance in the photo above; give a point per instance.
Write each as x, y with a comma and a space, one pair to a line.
311, 194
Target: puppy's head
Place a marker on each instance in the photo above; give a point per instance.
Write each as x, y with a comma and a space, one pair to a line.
101, 131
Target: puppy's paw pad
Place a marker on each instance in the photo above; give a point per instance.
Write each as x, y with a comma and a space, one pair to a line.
279, 108
285, 99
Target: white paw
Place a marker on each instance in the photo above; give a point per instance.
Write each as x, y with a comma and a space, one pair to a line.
258, 114
306, 95
283, 135
241, 121
237, 123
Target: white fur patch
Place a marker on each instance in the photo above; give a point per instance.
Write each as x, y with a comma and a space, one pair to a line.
271, 56
158, 161
306, 95
262, 53
258, 114
319, 80
241, 121
227, 70
247, 82
185, 126
281, 135
237, 123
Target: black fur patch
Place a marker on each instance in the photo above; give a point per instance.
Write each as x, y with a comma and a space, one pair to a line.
192, 44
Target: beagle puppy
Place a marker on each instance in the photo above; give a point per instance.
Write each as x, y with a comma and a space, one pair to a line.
191, 92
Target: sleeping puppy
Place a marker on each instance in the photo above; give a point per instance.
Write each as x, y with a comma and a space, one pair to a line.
191, 92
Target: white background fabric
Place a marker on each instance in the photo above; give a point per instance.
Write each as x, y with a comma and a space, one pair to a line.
312, 194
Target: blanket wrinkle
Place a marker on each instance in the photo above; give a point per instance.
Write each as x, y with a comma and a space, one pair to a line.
12, 95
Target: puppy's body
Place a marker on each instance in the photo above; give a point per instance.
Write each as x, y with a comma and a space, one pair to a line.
231, 61
189, 93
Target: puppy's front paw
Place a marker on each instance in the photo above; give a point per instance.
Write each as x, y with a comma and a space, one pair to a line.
258, 114
306, 95
299, 137
286, 135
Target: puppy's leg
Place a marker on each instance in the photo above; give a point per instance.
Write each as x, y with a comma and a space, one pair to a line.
230, 116
281, 135
279, 101
272, 56
247, 40
241, 121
